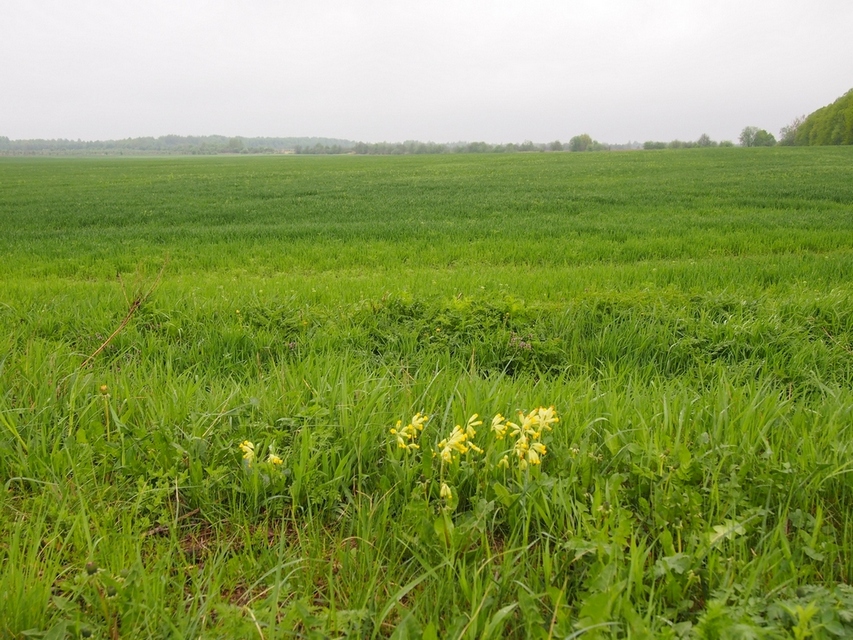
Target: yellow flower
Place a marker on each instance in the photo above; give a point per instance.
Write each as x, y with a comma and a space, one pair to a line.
456, 441
539, 448
445, 492
274, 459
499, 426
418, 421
534, 424
528, 424
503, 463
521, 446
248, 450
533, 457
546, 417
407, 436
472, 422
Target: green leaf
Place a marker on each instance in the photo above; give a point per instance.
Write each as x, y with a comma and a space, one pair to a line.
496, 620
503, 494
678, 563
443, 527
817, 556
57, 631
726, 531
430, 632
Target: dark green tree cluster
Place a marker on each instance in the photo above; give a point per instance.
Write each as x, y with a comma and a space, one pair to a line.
755, 137
584, 142
829, 125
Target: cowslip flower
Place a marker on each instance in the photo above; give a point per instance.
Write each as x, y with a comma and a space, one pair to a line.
499, 426
445, 492
521, 447
533, 456
528, 447
418, 421
456, 441
408, 435
248, 449
527, 426
273, 458
469, 427
545, 418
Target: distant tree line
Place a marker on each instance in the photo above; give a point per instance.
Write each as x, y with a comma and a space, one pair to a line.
830, 125
703, 141
164, 145
414, 147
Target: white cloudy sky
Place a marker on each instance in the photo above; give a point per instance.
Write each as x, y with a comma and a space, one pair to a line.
441, 70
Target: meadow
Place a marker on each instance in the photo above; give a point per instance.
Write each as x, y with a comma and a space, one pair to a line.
280, 440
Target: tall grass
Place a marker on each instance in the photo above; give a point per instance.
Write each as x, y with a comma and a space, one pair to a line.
688, 315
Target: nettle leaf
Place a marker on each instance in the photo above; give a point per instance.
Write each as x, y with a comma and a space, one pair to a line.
726, 531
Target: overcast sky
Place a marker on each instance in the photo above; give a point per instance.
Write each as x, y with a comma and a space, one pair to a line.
437, 70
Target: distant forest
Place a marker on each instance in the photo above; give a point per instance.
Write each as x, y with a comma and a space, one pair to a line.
415, 147
214, 145
830, 125
166, 145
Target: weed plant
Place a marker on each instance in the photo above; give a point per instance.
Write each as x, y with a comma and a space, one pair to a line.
280, 441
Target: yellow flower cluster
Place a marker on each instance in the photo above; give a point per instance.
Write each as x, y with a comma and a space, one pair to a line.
526, 436
248, 449
460, 440
528, 447
407, 436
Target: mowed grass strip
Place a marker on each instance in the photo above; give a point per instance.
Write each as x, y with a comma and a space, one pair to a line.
688, 314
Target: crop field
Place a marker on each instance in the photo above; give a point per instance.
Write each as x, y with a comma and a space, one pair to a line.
551, 395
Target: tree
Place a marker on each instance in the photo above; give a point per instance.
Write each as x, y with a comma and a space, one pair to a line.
705, 141
755, 137
763, 139
580, 143
832, 124
747, 136
788, 134
556, 146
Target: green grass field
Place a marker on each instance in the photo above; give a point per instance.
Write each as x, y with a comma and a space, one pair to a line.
688, 314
